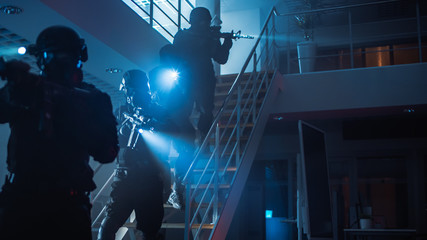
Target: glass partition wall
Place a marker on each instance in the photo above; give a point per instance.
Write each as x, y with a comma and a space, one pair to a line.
166, 16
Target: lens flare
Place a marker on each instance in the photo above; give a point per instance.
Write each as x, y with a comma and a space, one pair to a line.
169, 79
22, 50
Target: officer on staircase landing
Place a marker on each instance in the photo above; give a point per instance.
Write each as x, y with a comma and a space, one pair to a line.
197, 47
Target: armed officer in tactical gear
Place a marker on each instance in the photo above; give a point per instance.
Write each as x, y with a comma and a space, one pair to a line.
171, 88
141, 170
57, 122
198, 46
195, 48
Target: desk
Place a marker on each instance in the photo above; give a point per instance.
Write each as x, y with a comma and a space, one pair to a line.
350, 234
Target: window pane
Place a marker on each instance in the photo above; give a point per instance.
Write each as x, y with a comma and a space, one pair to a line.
184, 23
168, 9
163, 32
186, 9
141, 7
163, 24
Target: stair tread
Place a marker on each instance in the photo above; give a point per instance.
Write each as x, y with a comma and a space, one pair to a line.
230, 83
225, 93
172, 225
222, 186
233, 102
233, 125
229, 169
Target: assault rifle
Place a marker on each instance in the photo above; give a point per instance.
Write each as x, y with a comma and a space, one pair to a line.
216, 30
137, 123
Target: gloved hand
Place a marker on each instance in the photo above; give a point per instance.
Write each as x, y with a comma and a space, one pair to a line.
228, 43
14, 70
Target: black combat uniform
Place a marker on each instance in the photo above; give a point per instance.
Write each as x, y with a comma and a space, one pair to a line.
197, 46
139, 176
56, 125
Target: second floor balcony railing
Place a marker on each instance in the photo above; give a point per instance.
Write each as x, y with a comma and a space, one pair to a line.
372, 34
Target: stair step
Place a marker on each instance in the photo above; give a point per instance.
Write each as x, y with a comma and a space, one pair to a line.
228, 112
226, 86
231, 77
232, 103
173, 225
221, 186
229, 169
233, 125
223, 95
242, 138
209, 170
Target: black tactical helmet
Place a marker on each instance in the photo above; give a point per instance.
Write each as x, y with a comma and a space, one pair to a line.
200, 14
135, 79
59, 38
136, 87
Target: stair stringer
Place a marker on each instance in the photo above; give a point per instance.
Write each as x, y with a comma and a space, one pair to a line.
221, 228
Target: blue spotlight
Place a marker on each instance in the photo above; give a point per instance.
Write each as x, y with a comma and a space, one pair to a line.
157, 142
169, 78
268, 213
173, 75
22, 50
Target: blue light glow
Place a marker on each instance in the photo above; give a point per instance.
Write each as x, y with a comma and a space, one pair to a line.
157, 142
268, 213
11, 51
22, 50
169, 79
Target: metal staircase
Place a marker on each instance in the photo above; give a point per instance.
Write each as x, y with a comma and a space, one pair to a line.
217, 175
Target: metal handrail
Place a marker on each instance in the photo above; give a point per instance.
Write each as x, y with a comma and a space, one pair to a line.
361, 52
103, 188
348, 41
336, 8
233, 87
234, 139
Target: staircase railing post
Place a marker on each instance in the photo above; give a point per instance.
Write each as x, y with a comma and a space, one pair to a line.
350, 30
216, 186
187, 210
253, 86
179, 14
288, 53
151, 12
239, 103
420, 51
275, 55
254, 63
266, 48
